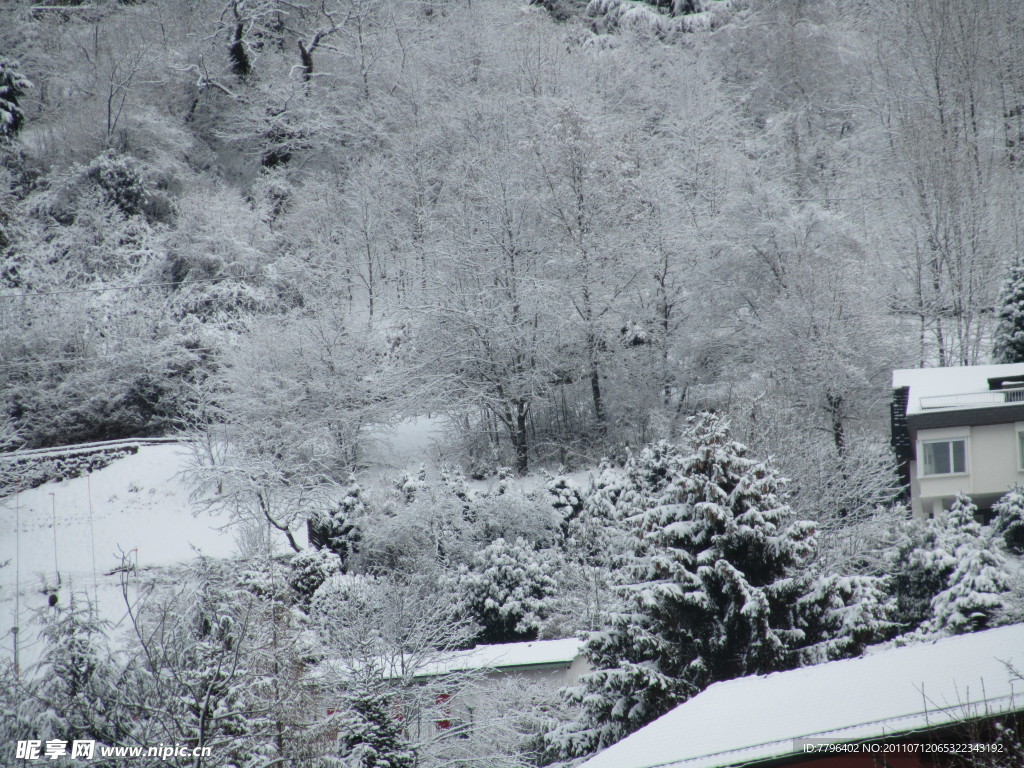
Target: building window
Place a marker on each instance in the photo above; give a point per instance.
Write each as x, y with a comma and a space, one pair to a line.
944, 457
1020, 451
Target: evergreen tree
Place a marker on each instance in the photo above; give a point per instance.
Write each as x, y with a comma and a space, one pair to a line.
978, 584
337, 530
370, 728
920, 564
976, 595
1009, 520
949, 575
1009, 333
705, 579
309, 569
841, 615
508, 590
75, 691
12, 87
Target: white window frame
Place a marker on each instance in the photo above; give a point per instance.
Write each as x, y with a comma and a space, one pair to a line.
951, 439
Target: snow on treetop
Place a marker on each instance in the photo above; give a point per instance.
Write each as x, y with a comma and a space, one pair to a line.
890, 692
959, 380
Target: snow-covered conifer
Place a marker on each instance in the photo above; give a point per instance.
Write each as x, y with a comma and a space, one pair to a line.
950, 576
370, 728
311, 568
706, 584
589, 529
977, 592
841, 615
409, 484
73, 691
13, 85
1009, 333
978, 582
1009, 520
566, 499
508, 590
338, 529
920, 564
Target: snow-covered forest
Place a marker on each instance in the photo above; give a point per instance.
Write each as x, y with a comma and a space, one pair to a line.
642, 267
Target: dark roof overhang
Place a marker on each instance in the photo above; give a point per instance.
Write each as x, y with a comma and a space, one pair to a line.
966, 417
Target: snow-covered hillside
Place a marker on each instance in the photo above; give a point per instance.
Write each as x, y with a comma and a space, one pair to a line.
139, 507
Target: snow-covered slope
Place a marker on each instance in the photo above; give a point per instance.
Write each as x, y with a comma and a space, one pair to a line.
138, 507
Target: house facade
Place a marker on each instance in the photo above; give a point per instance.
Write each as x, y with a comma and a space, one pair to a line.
958, 429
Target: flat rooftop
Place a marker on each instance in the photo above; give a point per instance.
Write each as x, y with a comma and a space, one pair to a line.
956, 387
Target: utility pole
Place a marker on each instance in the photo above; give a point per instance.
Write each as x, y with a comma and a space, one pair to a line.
53, 508
17, 580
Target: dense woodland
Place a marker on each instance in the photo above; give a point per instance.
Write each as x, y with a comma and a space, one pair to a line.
682, 244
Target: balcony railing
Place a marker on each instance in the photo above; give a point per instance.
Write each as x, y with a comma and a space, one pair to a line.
974, 399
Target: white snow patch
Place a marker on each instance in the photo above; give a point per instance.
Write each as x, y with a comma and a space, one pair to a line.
140, 506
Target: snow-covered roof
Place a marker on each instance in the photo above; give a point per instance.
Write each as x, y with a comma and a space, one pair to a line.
946, 382
891, 692
505, 655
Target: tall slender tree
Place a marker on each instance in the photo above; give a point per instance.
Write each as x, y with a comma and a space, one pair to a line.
1008, 346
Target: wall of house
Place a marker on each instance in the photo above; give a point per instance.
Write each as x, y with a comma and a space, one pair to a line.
992, 467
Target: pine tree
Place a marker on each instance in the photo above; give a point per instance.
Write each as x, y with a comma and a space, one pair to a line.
1009, 520
370, 728
841, 615
951, 576
337, 530
1009, 332
977, 587
976, 595
12, 87
706, 583
920, 564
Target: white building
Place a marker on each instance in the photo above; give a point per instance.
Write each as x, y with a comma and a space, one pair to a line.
958, 429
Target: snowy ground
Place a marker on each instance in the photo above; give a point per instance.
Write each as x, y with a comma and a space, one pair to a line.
141, 508
138, 507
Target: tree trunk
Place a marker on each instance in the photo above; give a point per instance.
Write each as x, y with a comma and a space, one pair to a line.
520, 438
595, 391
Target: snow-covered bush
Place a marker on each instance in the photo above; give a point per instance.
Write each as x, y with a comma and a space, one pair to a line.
31, 472
310, 568
508, 589
841, 615
408, 483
